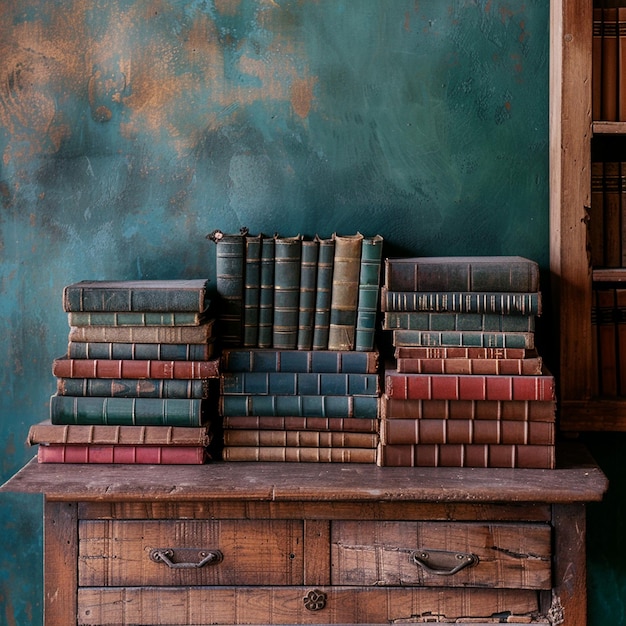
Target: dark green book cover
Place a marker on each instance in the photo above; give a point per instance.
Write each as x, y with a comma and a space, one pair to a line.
369, 290
252, 286
287, 255
308, 282
321, 318
266, 293
133, 387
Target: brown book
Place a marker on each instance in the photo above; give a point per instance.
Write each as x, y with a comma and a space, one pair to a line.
470, 455
610, 51
620, 326
301, 438
413, 431
612, 214
276, 422
520, 410
596, 223
520, 367
621, 64
299, 454
461, 352
607, 341
596, 52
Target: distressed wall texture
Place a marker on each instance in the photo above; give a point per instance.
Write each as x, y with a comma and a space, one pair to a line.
131, 128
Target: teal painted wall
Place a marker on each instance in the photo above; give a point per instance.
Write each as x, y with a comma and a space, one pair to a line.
129, 129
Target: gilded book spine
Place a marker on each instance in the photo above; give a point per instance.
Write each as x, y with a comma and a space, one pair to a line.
266, 293
308, 281
287, 255
321, 319
252, 280
369, 290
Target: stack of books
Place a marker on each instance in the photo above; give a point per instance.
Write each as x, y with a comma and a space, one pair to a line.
299, 405
139, 382
468, 387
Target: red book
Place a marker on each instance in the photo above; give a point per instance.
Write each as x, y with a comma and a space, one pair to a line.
157, 455
521, 367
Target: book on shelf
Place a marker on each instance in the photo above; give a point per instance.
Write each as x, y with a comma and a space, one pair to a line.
136, 318
127, 411
266, 292
428, 431
596, 222
422, 320
467, 455
134, 387
620, 322
303, 406
260, 360
460, 352
308, 284
300, 438
137, 295
141, 351
299, 383
65, 367
229, 277
143, 334
478, 339
344, 291
323, 289
596, 61
462, 302
292, 422
369, 291
287, 257
132, 455
522, 367
299, 454
252, 287
509, 410
608, 357
462, 273
612, 214
468, 386
609, 66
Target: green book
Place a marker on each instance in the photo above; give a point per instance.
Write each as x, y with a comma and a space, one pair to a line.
141, 351
266, 293
321, 318
479, 339
344, 292
306, 306
136, 318
287, 255
252, 286
369, 289
133, 388
421, 320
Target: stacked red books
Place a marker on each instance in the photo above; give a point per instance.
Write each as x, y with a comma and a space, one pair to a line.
469, 388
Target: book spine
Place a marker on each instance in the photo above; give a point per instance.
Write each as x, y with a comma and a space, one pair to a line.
621, 64
287, 255
252, 287
308, 282
607, 341
462, 302
609, 65
344, 292
140, 351
463, 338
486, 322
128, 368
299, 406
132, 388
462, 352
134, 318
299, 383
596, 223
301, 438
369, 290
596, 54
142, 334
126, 411
612, 214
519, 367
157, 455
620, 324
299, 455
518, 410
277, 422
470, 387
323, 292
266, 293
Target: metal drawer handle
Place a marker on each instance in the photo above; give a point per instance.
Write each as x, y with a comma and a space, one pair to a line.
443, 562
165, 555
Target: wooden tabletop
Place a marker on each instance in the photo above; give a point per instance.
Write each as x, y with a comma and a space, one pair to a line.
576, 479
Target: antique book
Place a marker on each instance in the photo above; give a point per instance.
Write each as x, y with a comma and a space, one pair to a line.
612, 215
65, 367
305, 406
252, 287
340, 361
292, 422
127, 411
460, 352
596, 222
462, 273
143, 334
229, 277
620, 323
520, 410
299, 383
136, 295
344, 291
422, 320
527, 366
300, 438
141, 351
266, 293
369, 291
413, 431
308, 283
72, 434
621, 64
136, 318
287, 255
610, 78
606, 315
133, 387
596, 60
299, 454
478, 339
467, 455
468, 386
462, 302
323, 289
139, 454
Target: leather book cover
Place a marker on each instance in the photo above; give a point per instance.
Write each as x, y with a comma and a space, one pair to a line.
299, 454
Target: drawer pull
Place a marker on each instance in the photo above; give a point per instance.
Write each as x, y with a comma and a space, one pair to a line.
165, 555
443, 562
315, 600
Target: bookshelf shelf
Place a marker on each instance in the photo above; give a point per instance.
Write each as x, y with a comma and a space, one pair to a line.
609, 128
609, 275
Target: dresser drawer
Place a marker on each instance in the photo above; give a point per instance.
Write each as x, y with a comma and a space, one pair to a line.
174, 552
497, 555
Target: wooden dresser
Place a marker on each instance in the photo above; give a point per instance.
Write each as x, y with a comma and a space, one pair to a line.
280, 543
